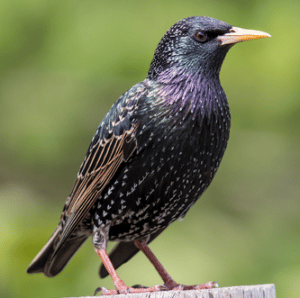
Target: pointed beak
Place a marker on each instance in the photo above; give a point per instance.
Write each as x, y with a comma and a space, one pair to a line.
237, 34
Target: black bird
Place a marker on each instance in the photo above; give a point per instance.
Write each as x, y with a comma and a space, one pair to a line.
153, 155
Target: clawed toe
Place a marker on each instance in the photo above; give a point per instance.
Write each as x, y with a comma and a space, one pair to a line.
105, 292
158, 288
208, 285
134, 289
172, 285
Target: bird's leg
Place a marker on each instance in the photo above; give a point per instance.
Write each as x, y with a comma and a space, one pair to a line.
169, 282
118, 282
121, 288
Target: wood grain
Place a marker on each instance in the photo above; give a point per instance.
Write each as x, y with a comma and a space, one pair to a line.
257, 291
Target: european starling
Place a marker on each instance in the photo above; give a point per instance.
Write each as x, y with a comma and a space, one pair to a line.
153, 155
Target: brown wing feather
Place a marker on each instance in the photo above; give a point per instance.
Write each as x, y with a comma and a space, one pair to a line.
98, 168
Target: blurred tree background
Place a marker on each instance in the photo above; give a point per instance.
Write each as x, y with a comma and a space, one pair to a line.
63, 63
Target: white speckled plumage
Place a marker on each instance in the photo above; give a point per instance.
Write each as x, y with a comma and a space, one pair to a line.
155, 152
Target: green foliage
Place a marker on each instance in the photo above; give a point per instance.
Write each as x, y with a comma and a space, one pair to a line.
63, 64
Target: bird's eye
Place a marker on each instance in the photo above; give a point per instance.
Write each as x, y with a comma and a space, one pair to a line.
200, 36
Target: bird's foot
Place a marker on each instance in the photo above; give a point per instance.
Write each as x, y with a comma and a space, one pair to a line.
121, 288
172, 285
208, 285
106, 292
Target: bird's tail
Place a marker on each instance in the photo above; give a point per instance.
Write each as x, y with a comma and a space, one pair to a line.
51, 262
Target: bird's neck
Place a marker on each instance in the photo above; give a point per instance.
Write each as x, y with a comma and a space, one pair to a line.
192, 91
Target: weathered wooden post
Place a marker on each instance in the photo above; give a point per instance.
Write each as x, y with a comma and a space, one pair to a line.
257, 291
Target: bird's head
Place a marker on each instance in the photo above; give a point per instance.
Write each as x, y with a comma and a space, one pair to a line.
197, 44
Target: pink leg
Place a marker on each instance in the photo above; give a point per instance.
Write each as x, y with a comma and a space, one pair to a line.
120, 286
170, 283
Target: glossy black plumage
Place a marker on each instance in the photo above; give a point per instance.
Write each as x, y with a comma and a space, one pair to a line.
155, 152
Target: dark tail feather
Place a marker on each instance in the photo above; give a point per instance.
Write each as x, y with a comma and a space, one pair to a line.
50, 264
123, 252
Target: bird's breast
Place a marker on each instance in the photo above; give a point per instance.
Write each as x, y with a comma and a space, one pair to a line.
178, 154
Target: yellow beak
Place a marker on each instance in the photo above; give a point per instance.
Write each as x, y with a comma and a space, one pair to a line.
237, 34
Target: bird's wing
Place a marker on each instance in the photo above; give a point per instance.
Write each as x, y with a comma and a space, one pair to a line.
113, 143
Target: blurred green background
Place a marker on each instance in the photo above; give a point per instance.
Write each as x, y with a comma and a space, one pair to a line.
63, 63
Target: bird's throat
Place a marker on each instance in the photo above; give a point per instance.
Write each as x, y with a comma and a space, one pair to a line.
193, 92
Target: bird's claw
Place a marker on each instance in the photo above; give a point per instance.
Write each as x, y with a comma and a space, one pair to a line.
105, 291
172, 285
208, 285
134, 289
157, 288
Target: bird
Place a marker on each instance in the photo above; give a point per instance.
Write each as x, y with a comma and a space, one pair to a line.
153, 155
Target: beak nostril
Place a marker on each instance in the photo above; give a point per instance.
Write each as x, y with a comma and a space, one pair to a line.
236, 34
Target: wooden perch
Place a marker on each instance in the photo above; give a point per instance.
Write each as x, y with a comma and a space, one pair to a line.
258, 291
